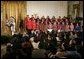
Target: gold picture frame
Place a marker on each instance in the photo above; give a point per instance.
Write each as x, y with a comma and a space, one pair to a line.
76, 6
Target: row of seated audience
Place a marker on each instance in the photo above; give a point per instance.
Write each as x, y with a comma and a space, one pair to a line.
46, 45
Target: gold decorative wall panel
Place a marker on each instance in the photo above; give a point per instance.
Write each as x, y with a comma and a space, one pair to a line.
17, 9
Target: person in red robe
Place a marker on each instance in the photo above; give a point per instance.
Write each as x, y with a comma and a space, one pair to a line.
50, 25
32, 16
63, 26
26, 19
71, 27
41, 25
42, 19
37, 25
59, 19
34, 24
48, 19
45, 23
58, 26
53, 19
67, 20
37, 19
64, 19
28, 23
55, 26
67, 29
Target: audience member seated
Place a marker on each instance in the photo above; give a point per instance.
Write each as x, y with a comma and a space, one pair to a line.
60, 51
35, 42
52, 53
81, 49
71, 52
27, 47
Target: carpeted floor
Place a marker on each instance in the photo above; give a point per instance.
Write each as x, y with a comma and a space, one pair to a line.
3, 50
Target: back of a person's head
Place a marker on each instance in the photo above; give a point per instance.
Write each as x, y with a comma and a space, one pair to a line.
53, 50
66, 46
72, 42
36, 39
72, 45
26, 38
15, 38
15, 35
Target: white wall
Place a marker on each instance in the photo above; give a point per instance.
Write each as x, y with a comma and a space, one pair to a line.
56, 8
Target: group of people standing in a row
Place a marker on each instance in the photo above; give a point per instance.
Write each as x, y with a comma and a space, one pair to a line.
47, 24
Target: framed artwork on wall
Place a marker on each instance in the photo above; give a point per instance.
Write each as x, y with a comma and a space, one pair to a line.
76, 9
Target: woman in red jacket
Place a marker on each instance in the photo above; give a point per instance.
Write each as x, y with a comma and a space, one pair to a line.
28, 23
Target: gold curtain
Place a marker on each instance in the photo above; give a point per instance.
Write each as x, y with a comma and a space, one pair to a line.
16, 9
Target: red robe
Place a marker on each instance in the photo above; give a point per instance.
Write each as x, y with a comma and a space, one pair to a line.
29, 24
55, 27
37, 27
59, 27
34, 25
71, 27
42, 26
59, 20
63, 27
67, 28
50, 26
